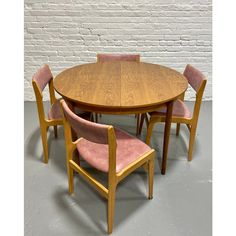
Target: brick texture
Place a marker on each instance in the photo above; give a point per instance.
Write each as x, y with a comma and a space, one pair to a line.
64, 33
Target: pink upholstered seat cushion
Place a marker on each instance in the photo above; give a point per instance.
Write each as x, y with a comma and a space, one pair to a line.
129, 149
180, 109
55, 111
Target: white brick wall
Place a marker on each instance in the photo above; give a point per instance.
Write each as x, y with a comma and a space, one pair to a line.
64, 33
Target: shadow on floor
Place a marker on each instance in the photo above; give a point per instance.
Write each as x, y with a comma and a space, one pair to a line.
86, 204
56, 147
178, 145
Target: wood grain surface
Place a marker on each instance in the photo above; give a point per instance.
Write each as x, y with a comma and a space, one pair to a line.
120, 87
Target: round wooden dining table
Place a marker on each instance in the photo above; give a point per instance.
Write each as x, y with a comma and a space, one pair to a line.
123, 87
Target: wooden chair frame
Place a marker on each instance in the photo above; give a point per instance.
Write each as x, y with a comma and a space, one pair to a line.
113, 178
43, 121
190, 122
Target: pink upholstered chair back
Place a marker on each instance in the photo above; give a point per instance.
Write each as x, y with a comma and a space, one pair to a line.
194, 77
118, 57
93, 132
43, 76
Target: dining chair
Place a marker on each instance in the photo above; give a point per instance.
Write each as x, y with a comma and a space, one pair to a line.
40, 80
119, 57
181, 112
108, 150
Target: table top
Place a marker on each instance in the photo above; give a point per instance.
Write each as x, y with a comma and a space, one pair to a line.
120, 87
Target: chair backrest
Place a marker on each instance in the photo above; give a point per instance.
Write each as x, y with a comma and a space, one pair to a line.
93, 132
194, 77
42, 77
118, 57
97, 133
39, 81
198, 82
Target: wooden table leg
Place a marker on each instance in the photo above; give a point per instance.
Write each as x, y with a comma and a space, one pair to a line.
166, 135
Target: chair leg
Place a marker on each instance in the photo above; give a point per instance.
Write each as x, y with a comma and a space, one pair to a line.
137, 126
141, 124
70, 179
191, 142
96, 118
45, 143
55, 131
150, 178
177, 128
111, 208
149, 132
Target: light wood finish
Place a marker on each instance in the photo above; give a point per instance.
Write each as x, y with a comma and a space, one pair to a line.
113, 177
43, 121
167, 132
120, 57
121, 88
191, 123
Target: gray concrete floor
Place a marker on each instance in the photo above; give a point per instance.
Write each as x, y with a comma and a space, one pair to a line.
182, 203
